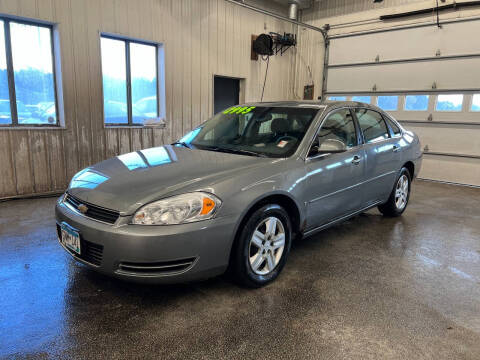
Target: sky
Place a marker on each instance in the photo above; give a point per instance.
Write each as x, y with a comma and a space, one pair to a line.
142, 60
31, 47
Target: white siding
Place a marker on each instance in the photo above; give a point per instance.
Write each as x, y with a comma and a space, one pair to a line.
459, 134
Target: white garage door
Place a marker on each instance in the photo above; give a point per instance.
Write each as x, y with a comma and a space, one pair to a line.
428, 78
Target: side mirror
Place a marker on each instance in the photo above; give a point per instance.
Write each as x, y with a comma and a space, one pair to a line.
332, 146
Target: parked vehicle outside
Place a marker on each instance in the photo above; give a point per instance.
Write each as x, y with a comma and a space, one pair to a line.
236, 191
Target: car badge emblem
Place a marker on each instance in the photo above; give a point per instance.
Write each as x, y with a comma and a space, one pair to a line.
82, 208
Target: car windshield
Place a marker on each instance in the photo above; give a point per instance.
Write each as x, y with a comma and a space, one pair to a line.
253, 130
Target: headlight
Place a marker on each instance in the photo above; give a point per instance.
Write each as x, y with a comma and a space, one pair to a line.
179, 209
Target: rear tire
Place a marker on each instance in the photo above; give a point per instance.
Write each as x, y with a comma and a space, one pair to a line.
262, 248
398, 200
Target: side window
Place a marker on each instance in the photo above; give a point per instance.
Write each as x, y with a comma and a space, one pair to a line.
337, 133
395, 129
372, 124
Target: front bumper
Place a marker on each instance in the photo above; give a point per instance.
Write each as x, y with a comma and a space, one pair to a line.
152, 254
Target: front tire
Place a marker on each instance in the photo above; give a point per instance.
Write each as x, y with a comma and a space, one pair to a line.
398, 200
261, 250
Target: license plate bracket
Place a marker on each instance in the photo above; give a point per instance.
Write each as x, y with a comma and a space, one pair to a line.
70, 238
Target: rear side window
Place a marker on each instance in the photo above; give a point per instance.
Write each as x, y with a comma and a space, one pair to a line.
372, 124
395, 129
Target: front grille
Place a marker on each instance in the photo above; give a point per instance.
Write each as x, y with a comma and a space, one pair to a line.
157, 268
90, 252
94, 212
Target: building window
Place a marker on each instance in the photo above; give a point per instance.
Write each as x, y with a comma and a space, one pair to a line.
362, 99
416, 102
130, 81
475, 102
27, 74
388, 103
449, 102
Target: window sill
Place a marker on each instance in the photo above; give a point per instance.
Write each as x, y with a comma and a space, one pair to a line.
32, 128
133, 127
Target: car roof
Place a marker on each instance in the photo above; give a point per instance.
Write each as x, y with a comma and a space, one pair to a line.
315, 104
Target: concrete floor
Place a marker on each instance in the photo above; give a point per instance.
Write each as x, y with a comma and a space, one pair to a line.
371, 288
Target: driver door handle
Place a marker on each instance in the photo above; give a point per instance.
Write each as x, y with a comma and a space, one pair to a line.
356, 160
395, 148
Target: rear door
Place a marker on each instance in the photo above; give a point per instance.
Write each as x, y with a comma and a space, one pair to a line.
381, 156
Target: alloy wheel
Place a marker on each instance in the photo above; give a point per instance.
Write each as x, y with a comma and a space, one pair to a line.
266, 246
401, 192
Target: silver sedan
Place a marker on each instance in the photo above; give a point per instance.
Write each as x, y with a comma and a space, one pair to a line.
234, 192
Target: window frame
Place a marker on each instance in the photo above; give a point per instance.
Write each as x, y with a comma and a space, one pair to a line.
358, 132
389, 121
127, 40
11, 75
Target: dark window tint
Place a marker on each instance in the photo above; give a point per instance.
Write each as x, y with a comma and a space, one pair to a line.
339, 126
372, 124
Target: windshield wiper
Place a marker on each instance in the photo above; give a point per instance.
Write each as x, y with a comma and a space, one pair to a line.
235, 151
183, 143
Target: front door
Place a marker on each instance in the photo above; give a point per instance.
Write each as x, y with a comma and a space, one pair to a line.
335, 169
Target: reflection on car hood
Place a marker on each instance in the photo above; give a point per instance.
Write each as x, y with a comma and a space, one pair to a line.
126, 182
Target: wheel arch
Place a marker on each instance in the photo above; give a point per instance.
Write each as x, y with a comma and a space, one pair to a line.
283, 199
410, 166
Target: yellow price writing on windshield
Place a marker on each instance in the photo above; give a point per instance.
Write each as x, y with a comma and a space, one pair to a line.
239, 110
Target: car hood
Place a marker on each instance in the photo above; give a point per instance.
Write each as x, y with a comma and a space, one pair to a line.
128, 181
